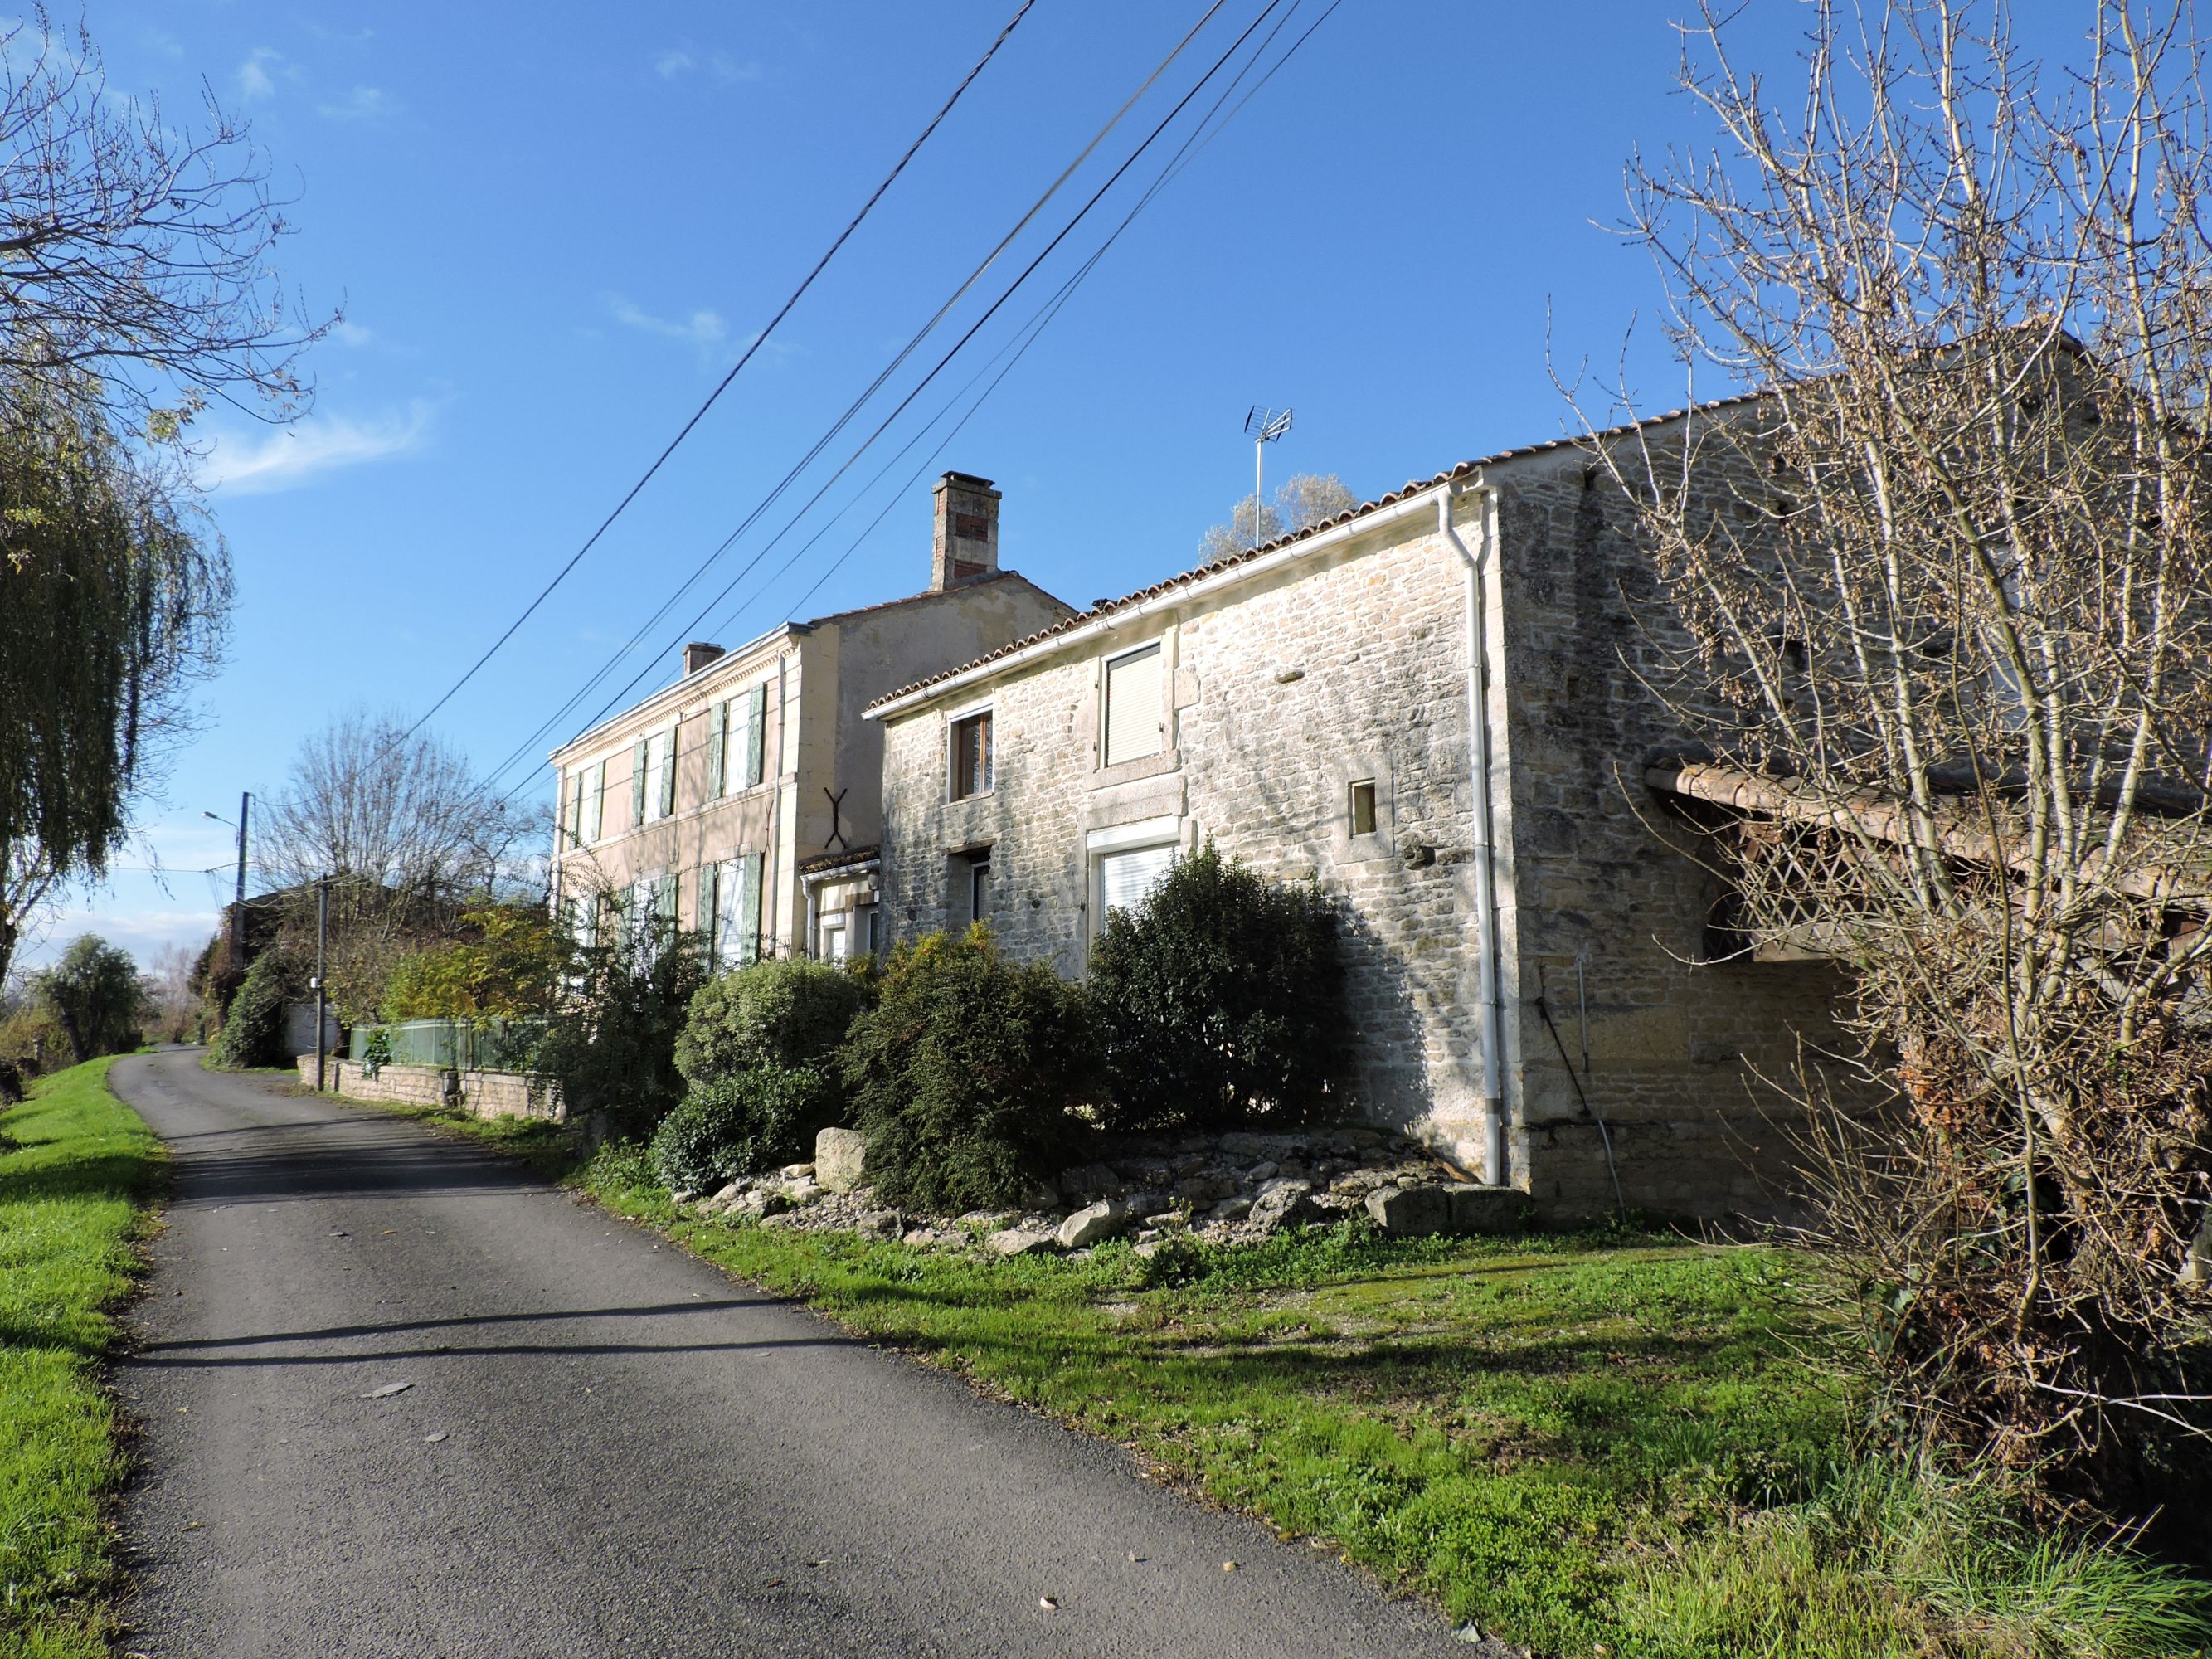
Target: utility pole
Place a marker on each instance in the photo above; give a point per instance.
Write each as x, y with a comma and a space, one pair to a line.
322, 941
237, 930
1263, 426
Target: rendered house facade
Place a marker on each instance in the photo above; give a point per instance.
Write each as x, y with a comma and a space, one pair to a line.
744, 799
1432, 705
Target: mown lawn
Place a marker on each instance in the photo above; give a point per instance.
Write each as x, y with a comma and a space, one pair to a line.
76, 1168
1623, 1446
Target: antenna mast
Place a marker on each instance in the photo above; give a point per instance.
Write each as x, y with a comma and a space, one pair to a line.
1263, 426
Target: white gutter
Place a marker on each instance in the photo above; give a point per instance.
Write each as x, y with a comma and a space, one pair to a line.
1176, 595
1492, 1019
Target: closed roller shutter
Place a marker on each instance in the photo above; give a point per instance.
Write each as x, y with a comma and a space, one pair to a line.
1132, 706
1126, 879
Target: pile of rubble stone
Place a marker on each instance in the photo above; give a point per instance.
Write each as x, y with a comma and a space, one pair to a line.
1234, 1188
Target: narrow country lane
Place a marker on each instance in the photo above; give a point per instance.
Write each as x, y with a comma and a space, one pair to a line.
605, 1447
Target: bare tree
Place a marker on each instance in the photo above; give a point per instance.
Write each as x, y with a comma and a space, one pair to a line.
1942, 601
407, 837
133, 249
1303, 500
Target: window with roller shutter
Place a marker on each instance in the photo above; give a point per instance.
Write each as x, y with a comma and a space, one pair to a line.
1135, 713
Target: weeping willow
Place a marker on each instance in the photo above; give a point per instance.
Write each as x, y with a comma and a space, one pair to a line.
113, 598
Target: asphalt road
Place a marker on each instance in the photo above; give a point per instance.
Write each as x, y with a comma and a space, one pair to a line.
604, 1447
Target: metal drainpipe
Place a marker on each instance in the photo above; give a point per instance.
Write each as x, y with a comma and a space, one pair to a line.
1492, 1013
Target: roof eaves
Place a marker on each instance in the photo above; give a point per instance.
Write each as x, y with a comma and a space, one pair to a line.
1464, 469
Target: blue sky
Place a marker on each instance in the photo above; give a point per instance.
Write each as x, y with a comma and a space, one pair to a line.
552, 229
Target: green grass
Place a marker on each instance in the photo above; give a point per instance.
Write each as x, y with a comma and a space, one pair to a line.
1624, 1447
77, 1169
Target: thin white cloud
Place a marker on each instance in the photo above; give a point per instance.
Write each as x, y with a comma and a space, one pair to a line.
256, 76
353, 334
245, 465
703, 330
362, 104
719, 66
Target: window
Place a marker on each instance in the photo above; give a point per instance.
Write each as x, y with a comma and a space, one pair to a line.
1133, 726
1125, 879
836, 941
731, 898
737, 751
652, 777
979, 887
1362, 807
971, 755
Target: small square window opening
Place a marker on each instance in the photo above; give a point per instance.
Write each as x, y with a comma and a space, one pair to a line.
1362, 807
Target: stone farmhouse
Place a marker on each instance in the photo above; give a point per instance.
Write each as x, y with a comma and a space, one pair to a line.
1437, 705
745, 800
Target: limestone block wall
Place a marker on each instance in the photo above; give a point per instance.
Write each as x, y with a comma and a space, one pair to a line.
1348, 668
481, 1094
1677, 1040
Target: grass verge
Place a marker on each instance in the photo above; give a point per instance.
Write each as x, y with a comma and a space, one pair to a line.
77, 1169
1623, 1446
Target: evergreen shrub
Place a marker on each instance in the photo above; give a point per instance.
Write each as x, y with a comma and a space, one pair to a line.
1220, 1003
611, 1044
966, 1076
787, 1013
743, 1123
253, 1027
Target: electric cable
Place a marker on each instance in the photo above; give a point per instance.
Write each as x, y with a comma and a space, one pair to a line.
858, 402
960, 343
1206, 130
700, 413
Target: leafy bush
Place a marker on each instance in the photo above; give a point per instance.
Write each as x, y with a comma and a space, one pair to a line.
780, 1012
611, 1043
510, 967
1220, 1001
254, 1027
965, 1076
742, 1124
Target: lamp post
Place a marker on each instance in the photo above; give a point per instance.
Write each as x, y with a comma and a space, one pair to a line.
237, 904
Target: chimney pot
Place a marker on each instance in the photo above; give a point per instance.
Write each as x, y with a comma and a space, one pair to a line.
697, 655
966, 544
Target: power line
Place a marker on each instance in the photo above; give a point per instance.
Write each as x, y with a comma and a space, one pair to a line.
906, 351
699, 414
1206, 130
960, 343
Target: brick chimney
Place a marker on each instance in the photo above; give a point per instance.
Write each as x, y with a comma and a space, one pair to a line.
697, 655
966, 546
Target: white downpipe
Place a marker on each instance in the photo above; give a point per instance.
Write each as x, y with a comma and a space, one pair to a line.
1491, 1017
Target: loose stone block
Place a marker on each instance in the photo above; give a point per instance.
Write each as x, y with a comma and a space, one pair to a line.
1410, 1212
841, 1159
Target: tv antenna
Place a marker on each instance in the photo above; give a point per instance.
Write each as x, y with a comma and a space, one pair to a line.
1263, 426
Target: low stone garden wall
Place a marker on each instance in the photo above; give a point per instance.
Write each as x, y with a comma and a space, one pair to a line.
1224, 1190
481, 1094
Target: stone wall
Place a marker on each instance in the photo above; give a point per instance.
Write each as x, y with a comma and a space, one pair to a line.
1677, 1038
481, 1094
1350, 663
1346, 668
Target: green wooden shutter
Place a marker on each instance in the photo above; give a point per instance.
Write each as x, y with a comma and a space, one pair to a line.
708, 910
668, 770
756, 725
638, 757
599, 801
718, 738
749, 908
